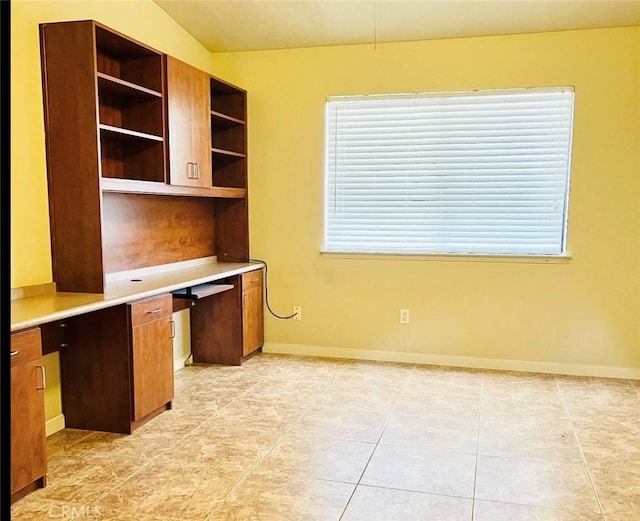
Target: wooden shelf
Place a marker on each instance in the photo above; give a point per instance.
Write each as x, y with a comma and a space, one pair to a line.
227, 153
130, 186
130, 133
201, 291
225, 117
123, 86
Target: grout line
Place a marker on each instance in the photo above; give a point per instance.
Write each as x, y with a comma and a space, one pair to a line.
377, 443
577, 440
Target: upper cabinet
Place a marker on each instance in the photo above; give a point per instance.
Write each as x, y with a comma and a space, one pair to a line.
228, 134
188, 125
146, 158
206, 121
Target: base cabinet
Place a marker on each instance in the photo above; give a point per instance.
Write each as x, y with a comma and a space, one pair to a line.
228, 327
252, 312
28, 441
117, 365
152, 354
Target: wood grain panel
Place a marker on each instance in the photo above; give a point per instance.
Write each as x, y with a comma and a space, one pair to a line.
28, 445
152, 352
232, 230
96, 371
252, 320
216, 327
146, 230
26, 345
148, 310
71, 118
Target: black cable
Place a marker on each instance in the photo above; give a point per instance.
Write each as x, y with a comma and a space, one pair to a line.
266, 291
266, 287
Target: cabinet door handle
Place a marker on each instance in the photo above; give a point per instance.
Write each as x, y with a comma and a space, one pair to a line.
173, 329
43, 378
189, 170
15, 353
196, 170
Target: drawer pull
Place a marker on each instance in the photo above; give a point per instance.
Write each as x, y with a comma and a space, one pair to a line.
15, 353
154, 311
44, 378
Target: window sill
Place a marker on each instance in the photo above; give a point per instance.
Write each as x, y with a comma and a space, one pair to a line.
452, 257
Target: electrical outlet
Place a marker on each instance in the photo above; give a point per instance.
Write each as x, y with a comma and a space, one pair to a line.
297, 310
404, 316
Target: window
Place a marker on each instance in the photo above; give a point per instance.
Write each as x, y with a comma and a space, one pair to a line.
464, 173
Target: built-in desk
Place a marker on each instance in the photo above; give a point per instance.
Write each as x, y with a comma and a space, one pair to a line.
42, 309
116, 348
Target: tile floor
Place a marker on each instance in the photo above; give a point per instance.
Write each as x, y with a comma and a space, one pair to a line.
300, 439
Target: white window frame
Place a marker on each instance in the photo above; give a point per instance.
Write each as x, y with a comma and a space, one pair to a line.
404, 246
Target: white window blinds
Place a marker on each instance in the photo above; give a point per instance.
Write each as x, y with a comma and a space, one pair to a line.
477, 173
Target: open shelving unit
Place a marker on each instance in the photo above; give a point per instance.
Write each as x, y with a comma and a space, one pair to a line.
228, 135
114, 206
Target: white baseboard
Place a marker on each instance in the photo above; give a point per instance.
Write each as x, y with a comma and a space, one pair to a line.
632, 373
54, 425
178, 363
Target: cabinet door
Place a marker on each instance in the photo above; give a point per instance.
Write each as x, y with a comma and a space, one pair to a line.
189, 128
252, 312
28, 442
152, 355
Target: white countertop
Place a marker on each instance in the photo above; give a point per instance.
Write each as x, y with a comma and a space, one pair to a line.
33, 311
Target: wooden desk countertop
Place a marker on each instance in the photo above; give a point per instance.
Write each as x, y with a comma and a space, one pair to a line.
34, 311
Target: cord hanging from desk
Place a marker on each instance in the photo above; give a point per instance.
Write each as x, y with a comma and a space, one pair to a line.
266, 287
266, 292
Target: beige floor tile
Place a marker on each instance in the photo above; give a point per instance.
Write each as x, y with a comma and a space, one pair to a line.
385, 504
439, 405
515, 409
586, 416
565, 486
545, 441
175, 488
364, 397
320, 458
64, 439
619, 493
279, 437
265, 414
208, 381
610, 444
428, 379
599, 392
439, 433
343, 424
266, 496
421, 470
492, 511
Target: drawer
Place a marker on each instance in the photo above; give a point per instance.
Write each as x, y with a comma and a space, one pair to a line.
150, 309
252, 279
26, 345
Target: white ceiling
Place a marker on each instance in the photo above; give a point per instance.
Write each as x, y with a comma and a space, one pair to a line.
240, 25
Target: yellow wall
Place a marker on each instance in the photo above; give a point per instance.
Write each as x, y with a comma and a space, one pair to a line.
30, 254
583, 312
142, 20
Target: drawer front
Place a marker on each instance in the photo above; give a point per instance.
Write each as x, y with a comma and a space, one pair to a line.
150, 309
25, 346
252, 279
